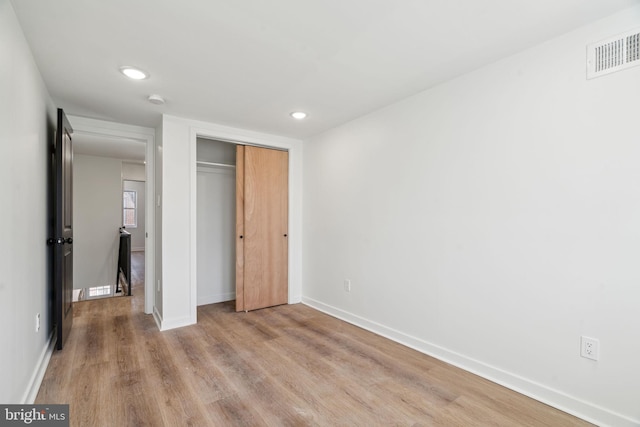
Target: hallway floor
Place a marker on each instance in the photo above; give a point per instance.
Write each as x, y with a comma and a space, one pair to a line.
109, 291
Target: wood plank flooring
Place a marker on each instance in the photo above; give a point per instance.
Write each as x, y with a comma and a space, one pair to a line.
283, 366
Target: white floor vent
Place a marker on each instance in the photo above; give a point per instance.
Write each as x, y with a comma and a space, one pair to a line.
613, 54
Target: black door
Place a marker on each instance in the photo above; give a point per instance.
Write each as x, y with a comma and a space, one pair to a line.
63, 229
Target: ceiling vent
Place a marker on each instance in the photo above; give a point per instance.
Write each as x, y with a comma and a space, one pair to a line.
613, 54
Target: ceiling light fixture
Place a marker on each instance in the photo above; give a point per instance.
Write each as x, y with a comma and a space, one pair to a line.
134, 73
298, 115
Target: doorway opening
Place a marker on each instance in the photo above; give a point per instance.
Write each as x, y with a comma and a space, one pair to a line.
109, 159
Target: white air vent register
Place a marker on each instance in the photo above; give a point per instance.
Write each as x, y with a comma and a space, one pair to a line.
613, 54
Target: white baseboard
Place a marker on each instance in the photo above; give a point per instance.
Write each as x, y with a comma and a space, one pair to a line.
555, 398
295, 299
179, 322
166, 324
216, 298
38, 374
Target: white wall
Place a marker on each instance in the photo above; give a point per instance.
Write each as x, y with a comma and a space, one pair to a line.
208, 150
137, 233
177, 295
134, 171
179, 223
492, 221
26, 112
97, 211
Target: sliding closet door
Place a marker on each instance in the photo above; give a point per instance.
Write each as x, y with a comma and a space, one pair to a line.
261, 225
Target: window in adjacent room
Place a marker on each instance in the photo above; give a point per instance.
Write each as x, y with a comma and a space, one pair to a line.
129, 209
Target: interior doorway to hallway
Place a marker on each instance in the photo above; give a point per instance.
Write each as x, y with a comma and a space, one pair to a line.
106, 151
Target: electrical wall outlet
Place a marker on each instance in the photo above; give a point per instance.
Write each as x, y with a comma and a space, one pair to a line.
347, 285
589, 348
38, 322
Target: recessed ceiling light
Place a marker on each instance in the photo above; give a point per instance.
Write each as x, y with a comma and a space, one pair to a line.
299, 115
134, 73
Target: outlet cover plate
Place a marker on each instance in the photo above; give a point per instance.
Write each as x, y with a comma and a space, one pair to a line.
589, 348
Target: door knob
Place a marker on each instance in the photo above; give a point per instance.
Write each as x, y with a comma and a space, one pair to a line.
285, 235
241, 236
69, 240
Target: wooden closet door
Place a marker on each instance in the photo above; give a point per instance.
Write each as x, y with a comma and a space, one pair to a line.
261, 224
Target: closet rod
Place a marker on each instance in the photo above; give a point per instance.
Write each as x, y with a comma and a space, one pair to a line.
223, 165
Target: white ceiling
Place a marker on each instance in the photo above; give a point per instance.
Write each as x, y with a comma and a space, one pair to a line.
249, 63
104, 146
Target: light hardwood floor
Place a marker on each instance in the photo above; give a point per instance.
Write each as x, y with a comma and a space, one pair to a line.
283, 366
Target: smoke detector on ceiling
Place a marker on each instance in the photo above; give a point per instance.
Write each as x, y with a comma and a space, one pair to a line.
613, 54
156, 99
